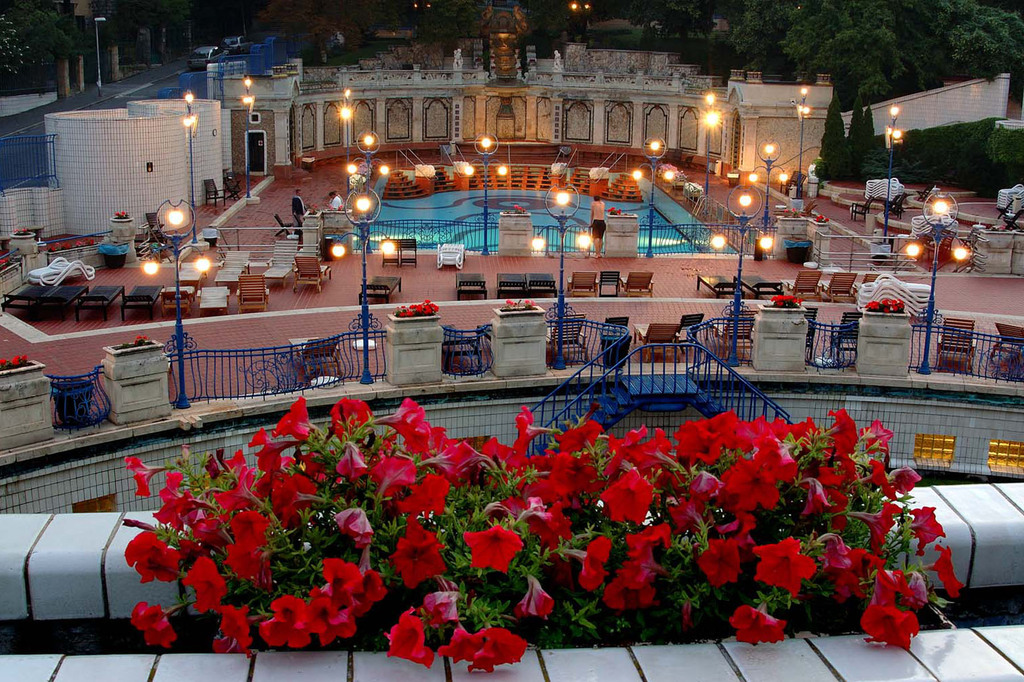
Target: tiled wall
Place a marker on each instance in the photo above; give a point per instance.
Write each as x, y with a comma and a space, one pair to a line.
32, 207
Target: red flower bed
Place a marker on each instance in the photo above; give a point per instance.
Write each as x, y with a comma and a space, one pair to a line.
892, 306
385, 532
14, 363
425, 309
786, 301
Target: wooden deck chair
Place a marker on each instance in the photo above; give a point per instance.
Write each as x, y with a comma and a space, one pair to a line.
583, 284
869, 277
956, 346
235, 263
253, 293
638, 284
321, 362
574, 341
805, 285
839, 287
282, 263
722, 335
659, 332
309, 270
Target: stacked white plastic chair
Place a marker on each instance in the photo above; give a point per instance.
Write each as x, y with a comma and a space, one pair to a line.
557, 169
875, 189
424, 170
914, 296
59, 270
599, 173
1006, 196
451, 254
920, 228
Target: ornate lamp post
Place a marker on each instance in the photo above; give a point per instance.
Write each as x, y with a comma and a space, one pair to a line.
561, 204
892, 138
743, 204
368, 145
177, 216
711, 119
939, 214
485, 146
654, 149
802, 111
248, 99
362, 210
769, 154
99, 64
346, 121
191, 123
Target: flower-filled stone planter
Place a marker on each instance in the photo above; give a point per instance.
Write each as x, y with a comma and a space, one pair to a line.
883, 344
519, 342
122, 238
515, 232
779, 339
413, 349
1017, 260
794, 228
136, 382
24, 405
999, 249
24, 243
622, 236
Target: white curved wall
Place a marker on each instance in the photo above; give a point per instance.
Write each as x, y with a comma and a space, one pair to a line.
206, 146
108, 161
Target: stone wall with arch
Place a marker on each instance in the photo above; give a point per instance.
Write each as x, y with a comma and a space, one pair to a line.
437, 118
618, 123
656, 121
398, 120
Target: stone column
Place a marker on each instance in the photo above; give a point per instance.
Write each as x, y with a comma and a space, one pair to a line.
25, 406
63, 79
413, 350
122, 231
672, 138
115, 64
779, 339
417, 119
622, 236
136, 381
598, 118
531, 117
519, 343
515, 234
480, 112
1000, 251
318, 121
883, 345
637, 134
80, 73
312, 234
1017, 259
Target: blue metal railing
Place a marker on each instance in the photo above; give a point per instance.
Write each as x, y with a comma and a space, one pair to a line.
261, 372
831, 346
79, 400
28, 161
670, 373
72, 240
970, 353
466, 352
431, 233
584, 341
715, 335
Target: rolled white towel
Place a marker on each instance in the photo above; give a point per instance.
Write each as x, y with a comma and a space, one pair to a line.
599, 173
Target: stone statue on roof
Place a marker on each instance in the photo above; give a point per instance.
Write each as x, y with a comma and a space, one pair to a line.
558, 62
457, 60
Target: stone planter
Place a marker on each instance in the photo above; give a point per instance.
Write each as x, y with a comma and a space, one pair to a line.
24, 406
519, 343
1017, 260
136, 382
122, 231
821, 235
622, 236
794, 229
883, 345
1000, 251
25, 245
779, 339
413, 349
515, 234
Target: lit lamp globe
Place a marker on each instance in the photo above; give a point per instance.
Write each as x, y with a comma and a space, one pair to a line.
538, 243
655, 147
637, 174
150, 267
718, 242
387, 248
384, 169
961, 253
337, 251
584, 241
766, 243
503, 170
913, 249
669, 175
368, 142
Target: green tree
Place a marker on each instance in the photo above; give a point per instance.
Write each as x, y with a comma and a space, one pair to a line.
42, 34
983, 41
1006, 146
672, 17
445, 21
834, 149
757, 29
10, 47
861, 137
320, 20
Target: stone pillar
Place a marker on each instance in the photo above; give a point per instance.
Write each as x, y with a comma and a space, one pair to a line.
531, 117
515, 234
122, 231
413, 350
883, 345
417, 119
80, 73
636, 135
312, 234
24, 244
821, 235
1000, 251
63, 79
779, 339
25, 406
672, 138
136, 381
599, 120
1017, 259
318, 116
794, 229
519, 343
115, 64
622, 236
480, 112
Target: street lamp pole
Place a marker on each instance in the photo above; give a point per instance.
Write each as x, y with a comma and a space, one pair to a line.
654, 149
248, 100
711, 119
346, 122
561, 204
176, 216
769, 153
362, 210
743, 206
99, 65
191, 122
486, 145
892, 136
801, 111
940, 213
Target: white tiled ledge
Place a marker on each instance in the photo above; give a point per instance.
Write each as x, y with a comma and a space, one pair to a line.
70, 566
995, 653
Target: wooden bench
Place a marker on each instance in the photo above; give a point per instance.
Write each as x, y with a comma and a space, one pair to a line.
141, 298
100, 297
381, 288
214, 299
210, 191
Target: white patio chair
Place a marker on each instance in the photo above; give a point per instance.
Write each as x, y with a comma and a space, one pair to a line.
59, 270
451, 254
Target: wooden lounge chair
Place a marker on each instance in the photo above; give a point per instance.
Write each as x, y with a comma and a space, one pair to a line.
309, 270
839, 287
1007, 354
540, 285
214, 300
583, 284
282, 263
210, 191
955, 351
609, 278
168, 303
805, 285
191, 276
686, 321
235, 263
657, 332
869, 277
722, 335
321, 362
284, 226
638, 284
253, 293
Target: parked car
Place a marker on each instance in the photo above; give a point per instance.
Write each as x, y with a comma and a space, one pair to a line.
235, 45
201, 56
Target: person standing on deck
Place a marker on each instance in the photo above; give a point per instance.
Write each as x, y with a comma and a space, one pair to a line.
298, 207
597, 225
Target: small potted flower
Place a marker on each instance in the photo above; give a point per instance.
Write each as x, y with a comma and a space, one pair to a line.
614, 211
886, 306
425, 309
786, 302
518, 306
14, 363
121, 217
518, 210
140, 340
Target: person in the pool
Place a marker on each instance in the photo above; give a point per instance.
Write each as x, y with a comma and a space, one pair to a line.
597, 225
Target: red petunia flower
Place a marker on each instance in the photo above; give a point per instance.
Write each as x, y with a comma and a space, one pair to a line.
904, 479
348, 414
629, 498
536, 602
353, 522
441, 607
327, 621
878, 523
925, 527
783, 565
152, 620
500, 647
417, 556
890, 625
624, 593
234, 625
289, 626
720, 562
249, 564
427, 496
580, 437
550, 525
843, 432
142, 475
250, 529
463, 645
594, 573
351, 464
493, 548
392, 473
410, 422
753, 625
208, 583
408, 640
152, 558
943, 566
527, 431
817, 499
295, 424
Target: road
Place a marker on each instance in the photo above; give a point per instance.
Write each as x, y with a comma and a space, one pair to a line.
142, 85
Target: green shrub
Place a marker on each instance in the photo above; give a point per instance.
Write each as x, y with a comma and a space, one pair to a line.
1006, 146
957, 154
